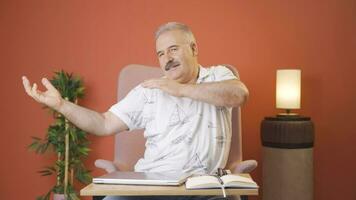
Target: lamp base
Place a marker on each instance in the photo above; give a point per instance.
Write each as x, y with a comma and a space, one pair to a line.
284, 117
287, 114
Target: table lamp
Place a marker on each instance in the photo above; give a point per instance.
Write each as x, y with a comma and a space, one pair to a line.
288, 91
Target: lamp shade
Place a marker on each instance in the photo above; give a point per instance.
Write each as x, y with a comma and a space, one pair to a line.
288, 88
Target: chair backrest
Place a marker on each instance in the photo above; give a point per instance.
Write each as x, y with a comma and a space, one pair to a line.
130, 146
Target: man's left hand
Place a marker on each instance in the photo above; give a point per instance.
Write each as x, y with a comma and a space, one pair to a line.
169, 86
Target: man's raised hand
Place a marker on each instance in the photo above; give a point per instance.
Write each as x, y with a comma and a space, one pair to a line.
51, 97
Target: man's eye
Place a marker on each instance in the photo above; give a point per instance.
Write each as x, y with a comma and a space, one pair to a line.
174, 49
160, 54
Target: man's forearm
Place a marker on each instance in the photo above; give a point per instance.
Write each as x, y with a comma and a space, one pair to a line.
85, 119
230, 93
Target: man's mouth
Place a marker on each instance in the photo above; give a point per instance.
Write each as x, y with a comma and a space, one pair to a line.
171, 64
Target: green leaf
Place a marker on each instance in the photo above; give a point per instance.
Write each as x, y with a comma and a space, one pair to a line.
72, 134
45, 173
84, 150
34, 145
73, 196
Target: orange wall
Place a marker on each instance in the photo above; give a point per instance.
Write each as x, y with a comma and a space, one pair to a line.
96, 39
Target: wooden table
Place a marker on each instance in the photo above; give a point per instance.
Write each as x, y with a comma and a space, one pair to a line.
98, 191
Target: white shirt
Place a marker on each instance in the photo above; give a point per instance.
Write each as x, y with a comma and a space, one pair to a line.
181, 134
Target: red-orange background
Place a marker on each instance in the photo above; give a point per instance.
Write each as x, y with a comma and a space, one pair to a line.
95, 39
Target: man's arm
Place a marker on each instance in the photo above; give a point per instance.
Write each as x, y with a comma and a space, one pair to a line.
100, 124
236, 97
88, 120
230, 93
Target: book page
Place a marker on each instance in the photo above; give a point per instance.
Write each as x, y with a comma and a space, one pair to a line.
235, 177
202, 182
235, 180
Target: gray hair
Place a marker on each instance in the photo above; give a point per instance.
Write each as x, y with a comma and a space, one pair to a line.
170, 26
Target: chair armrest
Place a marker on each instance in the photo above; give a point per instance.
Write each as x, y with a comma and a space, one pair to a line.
245, 166
108, 166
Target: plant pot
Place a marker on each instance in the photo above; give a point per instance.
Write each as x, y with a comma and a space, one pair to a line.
59, 197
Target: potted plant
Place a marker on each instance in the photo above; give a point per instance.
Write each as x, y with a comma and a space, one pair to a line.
68, 142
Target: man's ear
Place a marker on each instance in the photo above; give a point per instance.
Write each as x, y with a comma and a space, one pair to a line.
194, 48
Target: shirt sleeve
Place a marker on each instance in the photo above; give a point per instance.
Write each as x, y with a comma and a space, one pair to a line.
130, 108
222, 73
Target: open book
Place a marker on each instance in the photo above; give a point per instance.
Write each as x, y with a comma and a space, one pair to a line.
226, 181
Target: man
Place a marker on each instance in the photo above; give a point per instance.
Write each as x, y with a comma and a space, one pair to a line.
186, 114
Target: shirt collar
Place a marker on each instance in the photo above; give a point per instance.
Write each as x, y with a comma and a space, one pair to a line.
203, 72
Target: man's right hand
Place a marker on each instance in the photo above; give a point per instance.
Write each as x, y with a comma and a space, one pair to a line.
51, 98
85, 119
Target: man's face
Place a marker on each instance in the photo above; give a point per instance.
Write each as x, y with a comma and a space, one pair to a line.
177, 57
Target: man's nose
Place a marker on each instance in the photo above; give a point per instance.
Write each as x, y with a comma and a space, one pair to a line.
169, 58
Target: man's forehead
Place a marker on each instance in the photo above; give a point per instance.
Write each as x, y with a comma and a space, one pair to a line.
170, 38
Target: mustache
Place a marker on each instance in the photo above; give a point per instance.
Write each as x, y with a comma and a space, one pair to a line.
170, 64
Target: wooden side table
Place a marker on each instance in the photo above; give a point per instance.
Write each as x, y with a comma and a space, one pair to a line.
287, 158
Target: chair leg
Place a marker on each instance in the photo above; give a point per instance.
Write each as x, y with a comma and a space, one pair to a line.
244, 197
98, 197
